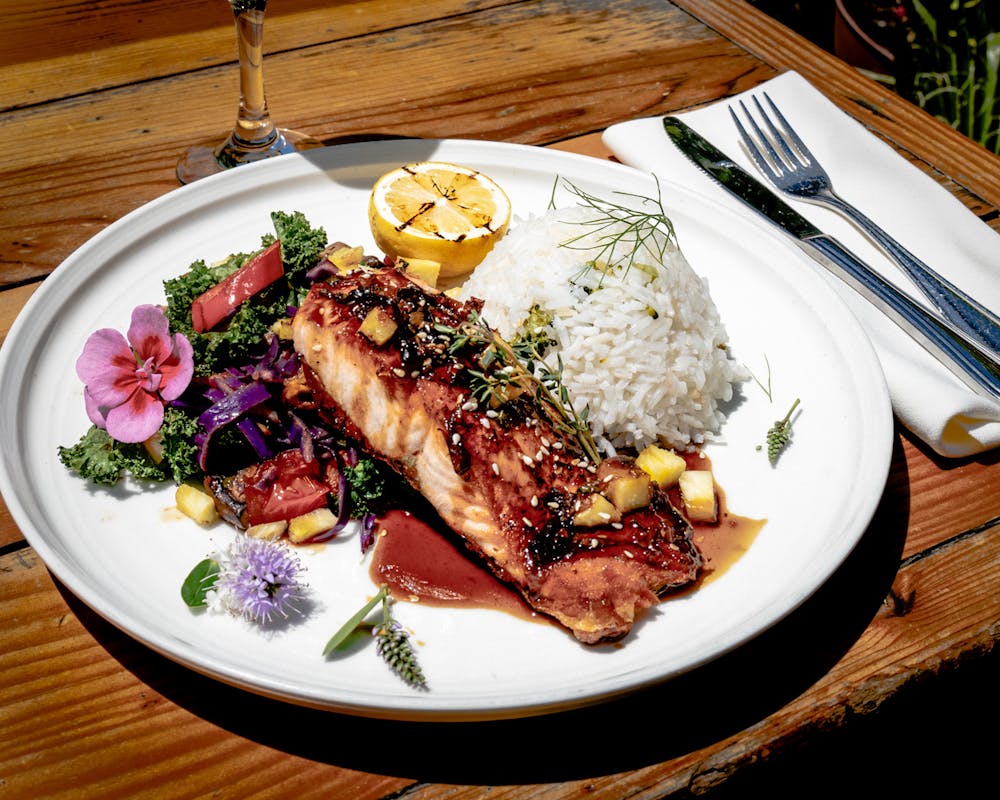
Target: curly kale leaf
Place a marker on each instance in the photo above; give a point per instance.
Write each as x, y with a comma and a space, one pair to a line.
301, 243
367, 484
98, 458
242, 338
179, 451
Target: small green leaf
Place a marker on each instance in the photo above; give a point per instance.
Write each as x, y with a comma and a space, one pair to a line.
198, 582
351, 625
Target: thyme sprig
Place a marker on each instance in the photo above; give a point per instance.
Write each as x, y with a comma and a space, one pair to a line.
511, 370
623, 231
393, 642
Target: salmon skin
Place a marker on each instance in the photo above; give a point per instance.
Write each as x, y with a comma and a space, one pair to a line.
424, 385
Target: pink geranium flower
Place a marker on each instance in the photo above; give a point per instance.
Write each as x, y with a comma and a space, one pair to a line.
127, 383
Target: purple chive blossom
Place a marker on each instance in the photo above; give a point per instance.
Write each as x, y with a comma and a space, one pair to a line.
257, 579
128, 381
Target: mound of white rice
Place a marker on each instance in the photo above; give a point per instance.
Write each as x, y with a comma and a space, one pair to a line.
641, 342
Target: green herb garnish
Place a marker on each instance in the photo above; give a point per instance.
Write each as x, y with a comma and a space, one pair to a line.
199, 582
507, 370
623, 231
393, 643
779, 434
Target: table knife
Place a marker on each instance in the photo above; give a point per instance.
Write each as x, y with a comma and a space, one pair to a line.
974, 365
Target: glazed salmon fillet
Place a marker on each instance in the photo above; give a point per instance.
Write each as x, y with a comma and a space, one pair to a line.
416, 376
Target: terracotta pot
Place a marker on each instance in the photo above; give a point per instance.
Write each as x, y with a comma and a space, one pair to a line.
853, 45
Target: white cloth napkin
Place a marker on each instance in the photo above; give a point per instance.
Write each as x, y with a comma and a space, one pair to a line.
922, 215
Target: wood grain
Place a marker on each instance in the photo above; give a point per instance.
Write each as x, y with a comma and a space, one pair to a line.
91, 699
101, 98
533, 72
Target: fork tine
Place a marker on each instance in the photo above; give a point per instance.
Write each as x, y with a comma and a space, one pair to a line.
805, 155
772, 167
776, 135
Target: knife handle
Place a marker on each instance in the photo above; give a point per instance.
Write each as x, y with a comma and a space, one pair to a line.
975, 366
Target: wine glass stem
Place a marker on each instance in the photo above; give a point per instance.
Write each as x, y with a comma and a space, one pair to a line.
253, 124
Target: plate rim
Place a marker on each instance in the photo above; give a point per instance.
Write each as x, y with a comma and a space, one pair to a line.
62, 279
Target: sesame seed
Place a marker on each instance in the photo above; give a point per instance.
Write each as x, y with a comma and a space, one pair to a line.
484, 422
317, 347
492, 414
455, 438
470, 406
617, 526
534, 501
628, 554
496, 468
527, 522
399, 373
527, 461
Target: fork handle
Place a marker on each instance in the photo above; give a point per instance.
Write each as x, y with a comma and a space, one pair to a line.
974, 365
955, 305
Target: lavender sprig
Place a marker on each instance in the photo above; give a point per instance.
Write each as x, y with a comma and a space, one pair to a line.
393, 645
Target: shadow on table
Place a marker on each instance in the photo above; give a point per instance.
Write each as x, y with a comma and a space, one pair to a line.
680, 716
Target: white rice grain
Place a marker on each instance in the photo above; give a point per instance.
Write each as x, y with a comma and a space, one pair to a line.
642, 347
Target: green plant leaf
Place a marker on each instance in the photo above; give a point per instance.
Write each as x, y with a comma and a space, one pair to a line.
349, 627
199, 581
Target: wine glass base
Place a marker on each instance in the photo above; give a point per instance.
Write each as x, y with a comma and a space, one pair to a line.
203, 160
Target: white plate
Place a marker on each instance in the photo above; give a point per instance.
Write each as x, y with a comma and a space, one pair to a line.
125, 552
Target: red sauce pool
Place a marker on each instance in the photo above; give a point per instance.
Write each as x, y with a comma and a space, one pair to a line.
421, 563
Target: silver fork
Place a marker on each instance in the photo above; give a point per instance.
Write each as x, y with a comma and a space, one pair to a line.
795, 171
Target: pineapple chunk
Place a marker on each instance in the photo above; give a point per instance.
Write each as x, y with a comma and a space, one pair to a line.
663, 466
196, 503
629, 493
698, 494
378, 326
593, 510
154, 447
346, 258
310, 524
282, 328
271, 531
423, 269
625, 485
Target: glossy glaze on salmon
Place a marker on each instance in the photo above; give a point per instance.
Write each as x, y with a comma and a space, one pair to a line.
411, 371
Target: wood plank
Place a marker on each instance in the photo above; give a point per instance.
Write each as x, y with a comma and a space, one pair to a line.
82, 698
75, 687
51, 51
11, 302
509, 91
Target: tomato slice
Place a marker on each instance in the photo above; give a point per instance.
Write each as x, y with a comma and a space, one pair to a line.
215, 304
283, 488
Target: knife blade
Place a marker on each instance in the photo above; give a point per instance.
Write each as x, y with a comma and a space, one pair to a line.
974, 365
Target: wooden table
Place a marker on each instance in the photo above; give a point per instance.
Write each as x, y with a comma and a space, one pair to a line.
98, 99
